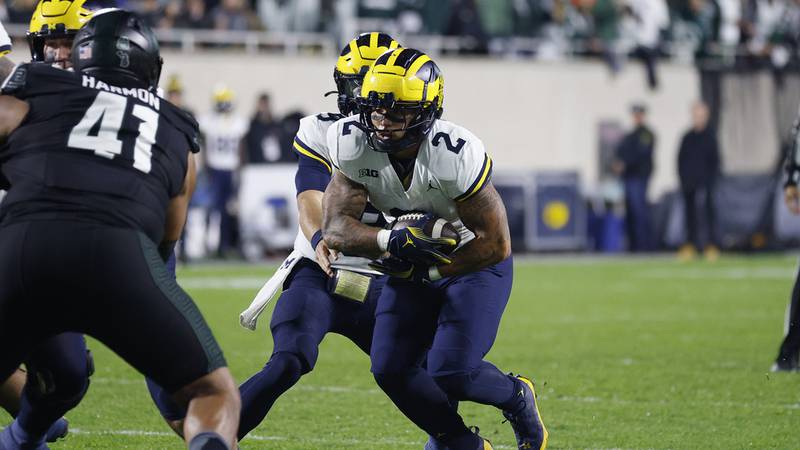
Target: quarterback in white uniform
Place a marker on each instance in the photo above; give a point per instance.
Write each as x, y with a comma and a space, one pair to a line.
312, 303
400, 155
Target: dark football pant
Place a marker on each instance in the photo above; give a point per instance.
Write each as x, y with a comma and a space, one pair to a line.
458, 318
58, 377
304, 313
109, 283
789, 352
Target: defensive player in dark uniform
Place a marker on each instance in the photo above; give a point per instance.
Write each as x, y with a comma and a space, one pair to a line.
59, 367
99, 171
788, 359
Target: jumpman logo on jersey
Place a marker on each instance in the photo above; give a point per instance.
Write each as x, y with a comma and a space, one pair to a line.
431, 186
409, 241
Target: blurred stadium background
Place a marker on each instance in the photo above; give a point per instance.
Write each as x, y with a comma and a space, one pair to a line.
547, 85
631, 353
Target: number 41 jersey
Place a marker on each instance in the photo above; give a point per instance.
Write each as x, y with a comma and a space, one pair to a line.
451, 166
92, 151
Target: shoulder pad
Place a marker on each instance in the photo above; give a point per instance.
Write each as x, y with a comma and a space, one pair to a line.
184, 122
32, 79
15, 81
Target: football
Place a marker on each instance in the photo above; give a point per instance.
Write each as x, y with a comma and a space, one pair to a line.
434, 227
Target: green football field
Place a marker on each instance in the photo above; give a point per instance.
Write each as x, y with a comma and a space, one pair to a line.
626, 353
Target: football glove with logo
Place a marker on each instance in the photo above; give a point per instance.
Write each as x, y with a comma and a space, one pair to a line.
412, 244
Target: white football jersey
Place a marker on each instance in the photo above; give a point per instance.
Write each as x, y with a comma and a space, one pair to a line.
451, 166
311, 141
222, 134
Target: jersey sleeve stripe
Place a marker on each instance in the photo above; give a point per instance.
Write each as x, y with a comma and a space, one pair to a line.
305, 150
483, 177
4, 50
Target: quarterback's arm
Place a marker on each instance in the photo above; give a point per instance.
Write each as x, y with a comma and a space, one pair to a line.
485, 215
342, 205
177, 209
12, 113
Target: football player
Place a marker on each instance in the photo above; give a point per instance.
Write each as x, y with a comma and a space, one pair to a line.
788, 359
306, 309
400, 155
60, 366
84, 211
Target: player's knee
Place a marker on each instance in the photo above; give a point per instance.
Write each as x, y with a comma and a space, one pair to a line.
456, 386
65, 381
390, 382
288, 366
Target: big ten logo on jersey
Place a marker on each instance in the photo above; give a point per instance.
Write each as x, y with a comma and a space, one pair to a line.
372, 173
110, 112
441, 136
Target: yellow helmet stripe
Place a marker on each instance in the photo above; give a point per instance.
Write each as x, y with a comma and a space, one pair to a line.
373, 39
393, 58
480, 182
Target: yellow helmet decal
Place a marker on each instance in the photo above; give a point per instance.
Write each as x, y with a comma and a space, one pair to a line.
360, 53
59, 16
408, 74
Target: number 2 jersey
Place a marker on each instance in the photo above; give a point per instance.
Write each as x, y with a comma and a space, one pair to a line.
451, 166
94, 152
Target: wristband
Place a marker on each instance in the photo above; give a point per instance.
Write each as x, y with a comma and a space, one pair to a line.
383, 239
316, 239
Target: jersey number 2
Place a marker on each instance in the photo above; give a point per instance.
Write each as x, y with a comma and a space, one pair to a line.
109, 110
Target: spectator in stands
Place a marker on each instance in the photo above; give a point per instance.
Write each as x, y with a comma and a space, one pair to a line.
465, 21
262, 143
646, 21
634, 163
222, 132
195, 16
233, 15
698, 167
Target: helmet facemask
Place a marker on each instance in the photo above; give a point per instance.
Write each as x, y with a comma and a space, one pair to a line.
348, 88
415, 118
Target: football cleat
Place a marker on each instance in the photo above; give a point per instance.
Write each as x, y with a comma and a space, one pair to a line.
525, 418
13, 438
57, 430
783, 365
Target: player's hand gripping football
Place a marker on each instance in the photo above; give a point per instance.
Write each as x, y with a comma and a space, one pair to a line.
413, 245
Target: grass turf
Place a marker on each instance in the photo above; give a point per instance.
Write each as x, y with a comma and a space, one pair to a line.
626, 353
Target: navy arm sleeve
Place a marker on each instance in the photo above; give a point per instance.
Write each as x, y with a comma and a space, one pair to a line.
311, 175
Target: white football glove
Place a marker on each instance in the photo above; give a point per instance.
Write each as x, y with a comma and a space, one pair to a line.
5, 41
